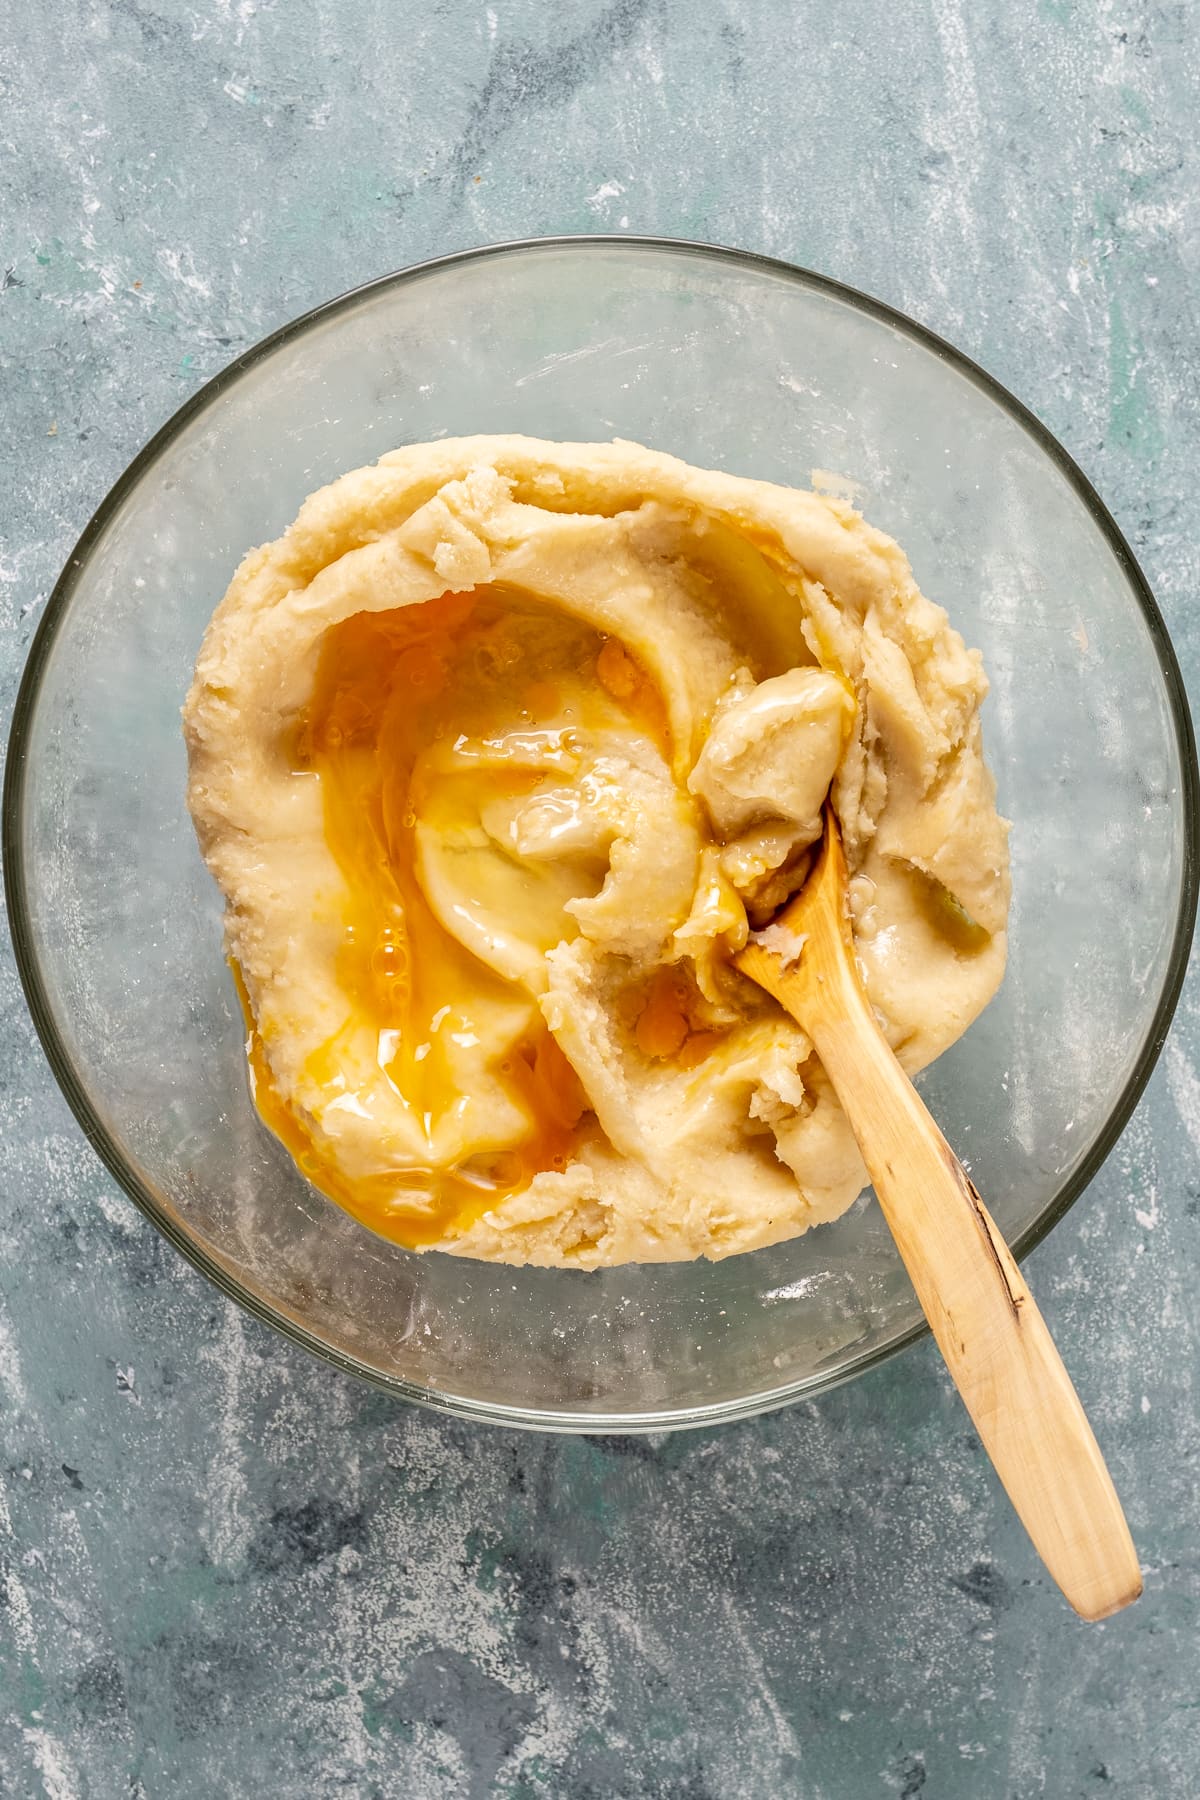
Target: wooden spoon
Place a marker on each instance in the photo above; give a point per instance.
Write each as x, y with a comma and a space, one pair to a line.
979, 1309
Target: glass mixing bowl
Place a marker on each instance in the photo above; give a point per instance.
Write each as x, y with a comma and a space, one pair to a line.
730, 361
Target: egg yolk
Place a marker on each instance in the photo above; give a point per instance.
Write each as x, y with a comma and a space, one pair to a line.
490, 666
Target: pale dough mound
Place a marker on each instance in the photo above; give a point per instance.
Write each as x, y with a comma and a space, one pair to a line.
790, 654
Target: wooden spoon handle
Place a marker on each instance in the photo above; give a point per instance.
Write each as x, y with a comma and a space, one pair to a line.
985, 1321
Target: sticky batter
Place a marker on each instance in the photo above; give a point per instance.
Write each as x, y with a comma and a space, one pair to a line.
497, 754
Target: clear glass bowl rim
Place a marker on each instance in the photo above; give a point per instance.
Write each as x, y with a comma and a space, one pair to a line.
18, 898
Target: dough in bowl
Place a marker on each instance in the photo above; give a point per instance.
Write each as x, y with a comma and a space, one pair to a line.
497, 754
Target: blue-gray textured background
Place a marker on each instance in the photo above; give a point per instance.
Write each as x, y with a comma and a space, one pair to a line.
227, 1571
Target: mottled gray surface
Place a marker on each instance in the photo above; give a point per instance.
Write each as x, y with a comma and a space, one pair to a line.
225, 1569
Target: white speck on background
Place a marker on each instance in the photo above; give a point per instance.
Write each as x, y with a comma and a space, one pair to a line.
116, 1209
172, 264
1148, 1218
652, 63
19, 1610
58, 1778
608, 190
240, 15
228, 1533
11, 1379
